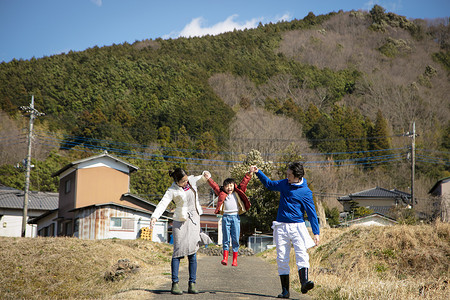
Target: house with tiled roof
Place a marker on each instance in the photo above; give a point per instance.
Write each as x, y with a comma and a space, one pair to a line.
441, 190
378, 199
11, 210
95, 201
374, 219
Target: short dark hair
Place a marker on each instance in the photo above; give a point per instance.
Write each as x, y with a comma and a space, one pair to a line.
228, 181
177, 174
297, 169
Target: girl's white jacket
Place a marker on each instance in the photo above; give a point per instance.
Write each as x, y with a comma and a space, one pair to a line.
176, 193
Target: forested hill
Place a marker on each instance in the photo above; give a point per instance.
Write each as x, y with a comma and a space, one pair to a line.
343, 78
126, 92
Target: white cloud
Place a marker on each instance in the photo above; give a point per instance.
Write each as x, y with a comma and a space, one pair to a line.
97, 2
197, 26
285, 17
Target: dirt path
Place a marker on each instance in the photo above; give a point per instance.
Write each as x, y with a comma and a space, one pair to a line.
252, 279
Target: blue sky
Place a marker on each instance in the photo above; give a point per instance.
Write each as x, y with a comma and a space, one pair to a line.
37, 28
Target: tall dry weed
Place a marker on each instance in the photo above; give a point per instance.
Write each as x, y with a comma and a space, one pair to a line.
396, 262
70, 268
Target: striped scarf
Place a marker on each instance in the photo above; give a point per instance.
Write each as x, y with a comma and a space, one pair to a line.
187, 187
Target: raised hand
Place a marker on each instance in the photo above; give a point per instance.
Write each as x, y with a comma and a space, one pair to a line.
254, 169
207, 175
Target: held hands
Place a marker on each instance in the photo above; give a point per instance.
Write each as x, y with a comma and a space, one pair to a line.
207, 175
253, 169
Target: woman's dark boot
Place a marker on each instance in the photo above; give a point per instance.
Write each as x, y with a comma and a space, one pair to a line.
192, 289
306, 284
285, 286
176, 289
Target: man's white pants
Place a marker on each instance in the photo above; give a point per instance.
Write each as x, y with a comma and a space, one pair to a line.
298, 235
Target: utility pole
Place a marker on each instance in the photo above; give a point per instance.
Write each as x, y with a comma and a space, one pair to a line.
33, 113
412, 135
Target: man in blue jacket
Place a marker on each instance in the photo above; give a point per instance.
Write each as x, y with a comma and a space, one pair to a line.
289, 227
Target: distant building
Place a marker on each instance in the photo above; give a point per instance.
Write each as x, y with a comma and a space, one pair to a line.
95, 201
375, 219
378, 199
210, 223
441, 189
11, 210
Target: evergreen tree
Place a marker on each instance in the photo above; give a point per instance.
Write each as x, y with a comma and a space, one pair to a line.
380, 134
353, 132
325, 137
312, 115
332, 216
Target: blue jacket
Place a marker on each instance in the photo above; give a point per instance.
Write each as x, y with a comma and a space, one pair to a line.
295, 200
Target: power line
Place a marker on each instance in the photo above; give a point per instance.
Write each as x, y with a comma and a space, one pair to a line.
78, 140
64, 141
233, 161
326, 163
368, 160
133, 154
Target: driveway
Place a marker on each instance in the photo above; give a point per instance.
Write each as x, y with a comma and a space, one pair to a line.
253, 278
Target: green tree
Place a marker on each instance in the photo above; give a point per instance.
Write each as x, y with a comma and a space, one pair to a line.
152, 179
332, 216
12, 177
272, 104
41, 175
312, 115
164, 135
361, 212
377, 14
354, 132
380, 134
206, 144
325, 137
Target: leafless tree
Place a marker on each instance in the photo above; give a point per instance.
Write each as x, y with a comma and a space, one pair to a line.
13, 140
232, 89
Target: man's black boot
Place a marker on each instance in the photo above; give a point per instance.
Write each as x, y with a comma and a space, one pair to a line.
285, 286
306, 284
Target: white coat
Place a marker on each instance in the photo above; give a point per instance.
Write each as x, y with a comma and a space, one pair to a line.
178, 195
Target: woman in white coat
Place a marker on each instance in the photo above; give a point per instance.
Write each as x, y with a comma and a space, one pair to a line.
186, 225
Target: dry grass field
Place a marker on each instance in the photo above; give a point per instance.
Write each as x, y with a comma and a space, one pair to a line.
398, 262
69, 268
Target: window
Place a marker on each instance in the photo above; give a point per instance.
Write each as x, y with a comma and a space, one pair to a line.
76, 226
122, 223
68, 228
67, 186
51, 230
116, 222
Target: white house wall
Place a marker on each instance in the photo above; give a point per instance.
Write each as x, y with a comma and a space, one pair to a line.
375, 221
95, 223
375, 202
11, 224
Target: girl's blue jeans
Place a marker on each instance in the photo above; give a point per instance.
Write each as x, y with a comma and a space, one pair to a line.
231, 229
